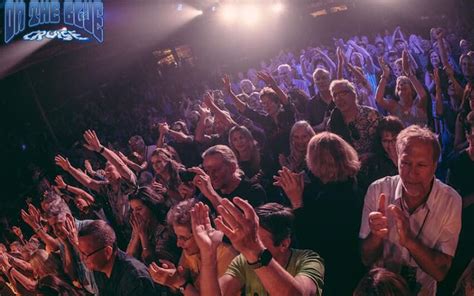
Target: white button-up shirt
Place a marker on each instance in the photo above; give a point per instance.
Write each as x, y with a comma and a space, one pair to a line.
436, 224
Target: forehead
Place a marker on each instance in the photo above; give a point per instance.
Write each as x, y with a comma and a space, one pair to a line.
300, 131
417, 150
87, 243
213, 160
181, 230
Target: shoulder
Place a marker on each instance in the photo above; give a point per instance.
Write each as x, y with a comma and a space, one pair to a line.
444, 193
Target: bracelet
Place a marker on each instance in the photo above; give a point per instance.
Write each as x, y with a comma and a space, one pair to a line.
101, 149
37, 229
65, 188
10, 269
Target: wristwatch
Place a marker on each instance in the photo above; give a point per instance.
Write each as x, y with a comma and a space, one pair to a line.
263, 260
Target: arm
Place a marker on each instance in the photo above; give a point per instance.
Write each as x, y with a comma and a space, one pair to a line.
203, 182
331, 64
442, 48
209, 101
75, 190
268, 79
32, 218
25, 281
340, 63
388, 105
134, 166
360, 77
458, 89
438, 93
199, 134
77, 174
421, 92
365, 54
240, 105
94, 144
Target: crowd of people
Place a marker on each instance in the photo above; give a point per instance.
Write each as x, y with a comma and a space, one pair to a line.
342, 170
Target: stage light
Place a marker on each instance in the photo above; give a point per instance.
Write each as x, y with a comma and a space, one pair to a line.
199, 12
228, 13
213, 8
278, 7
179, 7
249, 14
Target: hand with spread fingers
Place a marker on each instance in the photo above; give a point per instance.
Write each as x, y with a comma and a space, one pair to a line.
239, 222
167, 274
62, 162
60, 182
32, 217
202, 181
207, 237
267, 78
385, 68
378, 220
92, 141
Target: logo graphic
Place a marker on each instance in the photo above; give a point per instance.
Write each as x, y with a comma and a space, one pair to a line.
87, 15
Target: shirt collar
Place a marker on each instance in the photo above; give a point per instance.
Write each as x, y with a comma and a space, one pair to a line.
430, 202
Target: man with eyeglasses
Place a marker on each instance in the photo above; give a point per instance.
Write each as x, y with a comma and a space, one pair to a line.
115, 272
185, 276
411, 222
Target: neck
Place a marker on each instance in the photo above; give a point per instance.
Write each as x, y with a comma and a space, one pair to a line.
245, 154
232, 185
413, 202
165, 175
326, 95
350, 115
406, 100
107, 269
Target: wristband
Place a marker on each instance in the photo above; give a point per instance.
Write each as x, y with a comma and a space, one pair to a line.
263, 260
10, 269
37, 229
101, 149
65, 188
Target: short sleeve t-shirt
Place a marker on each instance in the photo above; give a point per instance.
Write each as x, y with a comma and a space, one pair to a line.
302, 263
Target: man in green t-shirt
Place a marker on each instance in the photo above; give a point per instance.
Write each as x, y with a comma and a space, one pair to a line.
267, 265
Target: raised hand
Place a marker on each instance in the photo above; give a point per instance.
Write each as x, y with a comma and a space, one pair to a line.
239, 222
163, 128
62, 162
17, 231
60, 182
406, 64
88, 165
385, 68
267, 78
378, 219
226, 83
158, 187
202, 181
403, 225
293, 185
208, 99
167, 274
122, 156
207, 238
436, 77
92, 141
32, 217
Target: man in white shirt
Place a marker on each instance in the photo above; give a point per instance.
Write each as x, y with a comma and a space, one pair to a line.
411, 222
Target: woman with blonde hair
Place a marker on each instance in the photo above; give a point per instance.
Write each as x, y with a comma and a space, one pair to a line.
300, 134
327, 209
245, 147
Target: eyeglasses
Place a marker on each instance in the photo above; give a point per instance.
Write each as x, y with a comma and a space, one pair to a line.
86, 256
183, 238
342, 92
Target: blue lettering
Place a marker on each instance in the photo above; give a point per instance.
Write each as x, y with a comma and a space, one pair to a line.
55, 12
99, 20
34, 13
68, 12
44, 12
14, 18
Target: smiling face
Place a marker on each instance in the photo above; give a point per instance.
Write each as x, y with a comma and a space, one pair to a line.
416, 168
240, 142
159, 163
344, 97
139, 209
300, 138
434, 59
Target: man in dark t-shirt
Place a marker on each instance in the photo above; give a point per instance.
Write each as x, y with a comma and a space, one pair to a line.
222, 178
115, 272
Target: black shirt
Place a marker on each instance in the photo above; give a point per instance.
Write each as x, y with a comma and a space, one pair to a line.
129, 278
460, 174
253, 193
317, 109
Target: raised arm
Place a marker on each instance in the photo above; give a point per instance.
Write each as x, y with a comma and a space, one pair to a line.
420, 90
199, 133
388, 105
75, 190
340, 63
32, 218
240, 105
268, 79
134, 166
93, 144
77, 174
438, 93
365, 54
225, 117
329, 61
